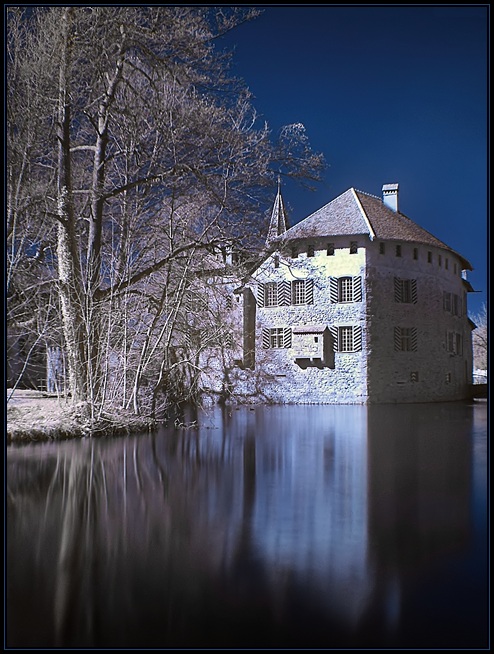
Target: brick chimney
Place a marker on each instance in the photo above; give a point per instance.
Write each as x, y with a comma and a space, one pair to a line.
390, 196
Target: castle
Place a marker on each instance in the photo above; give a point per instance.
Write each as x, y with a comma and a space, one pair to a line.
356, 304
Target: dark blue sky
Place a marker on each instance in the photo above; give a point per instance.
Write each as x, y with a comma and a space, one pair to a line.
388, 94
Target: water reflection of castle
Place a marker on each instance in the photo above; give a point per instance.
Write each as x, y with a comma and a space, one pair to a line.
348, 503
272, 514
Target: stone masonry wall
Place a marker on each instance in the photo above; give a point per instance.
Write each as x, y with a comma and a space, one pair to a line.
431, 372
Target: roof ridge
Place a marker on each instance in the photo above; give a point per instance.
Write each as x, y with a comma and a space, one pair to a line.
371, 195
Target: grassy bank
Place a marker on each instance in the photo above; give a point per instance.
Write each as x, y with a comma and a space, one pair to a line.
34, 416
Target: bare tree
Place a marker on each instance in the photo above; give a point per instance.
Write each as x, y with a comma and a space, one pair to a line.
136, 154
480, 339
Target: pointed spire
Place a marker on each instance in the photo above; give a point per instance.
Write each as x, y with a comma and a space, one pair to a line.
279, 221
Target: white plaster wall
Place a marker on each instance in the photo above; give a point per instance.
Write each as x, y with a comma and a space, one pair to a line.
284, 380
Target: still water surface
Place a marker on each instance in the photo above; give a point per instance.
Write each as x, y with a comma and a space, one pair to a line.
294, 526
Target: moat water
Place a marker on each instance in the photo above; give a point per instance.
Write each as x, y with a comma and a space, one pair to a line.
270, 527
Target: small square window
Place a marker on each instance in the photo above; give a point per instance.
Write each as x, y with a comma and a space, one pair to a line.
398, 250
429, 257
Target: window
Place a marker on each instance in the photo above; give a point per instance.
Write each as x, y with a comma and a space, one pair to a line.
456, 308
382, 248
429, 257
345, 289
353, 247
448, 378
310, 251
271, 294
276, 261
439, 260
298, 291
415, 253
347, 338
276, 338
455, 269
406, 290
284, 293
228, 302
446, 263
452, 303
405, 339
454, 343
398, 250
294, 253
414, 376
330, 250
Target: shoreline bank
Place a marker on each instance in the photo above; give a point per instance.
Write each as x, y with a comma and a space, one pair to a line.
35, 416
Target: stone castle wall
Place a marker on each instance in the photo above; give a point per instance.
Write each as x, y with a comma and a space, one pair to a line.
377, 372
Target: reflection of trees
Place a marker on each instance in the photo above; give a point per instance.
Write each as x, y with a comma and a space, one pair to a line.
258, 527
128, 532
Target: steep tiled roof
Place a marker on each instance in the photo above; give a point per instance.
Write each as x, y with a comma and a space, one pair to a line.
354, 213
339, 217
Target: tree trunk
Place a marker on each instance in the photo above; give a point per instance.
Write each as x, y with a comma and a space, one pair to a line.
70, 285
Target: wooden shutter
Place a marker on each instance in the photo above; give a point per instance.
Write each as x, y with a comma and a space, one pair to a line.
398, 290
287, 337
413, 284
309, 291
413, 339
357, 338
357, 289
334, 334
260, 295
284, 293
398, 344
266, 339
333, 289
